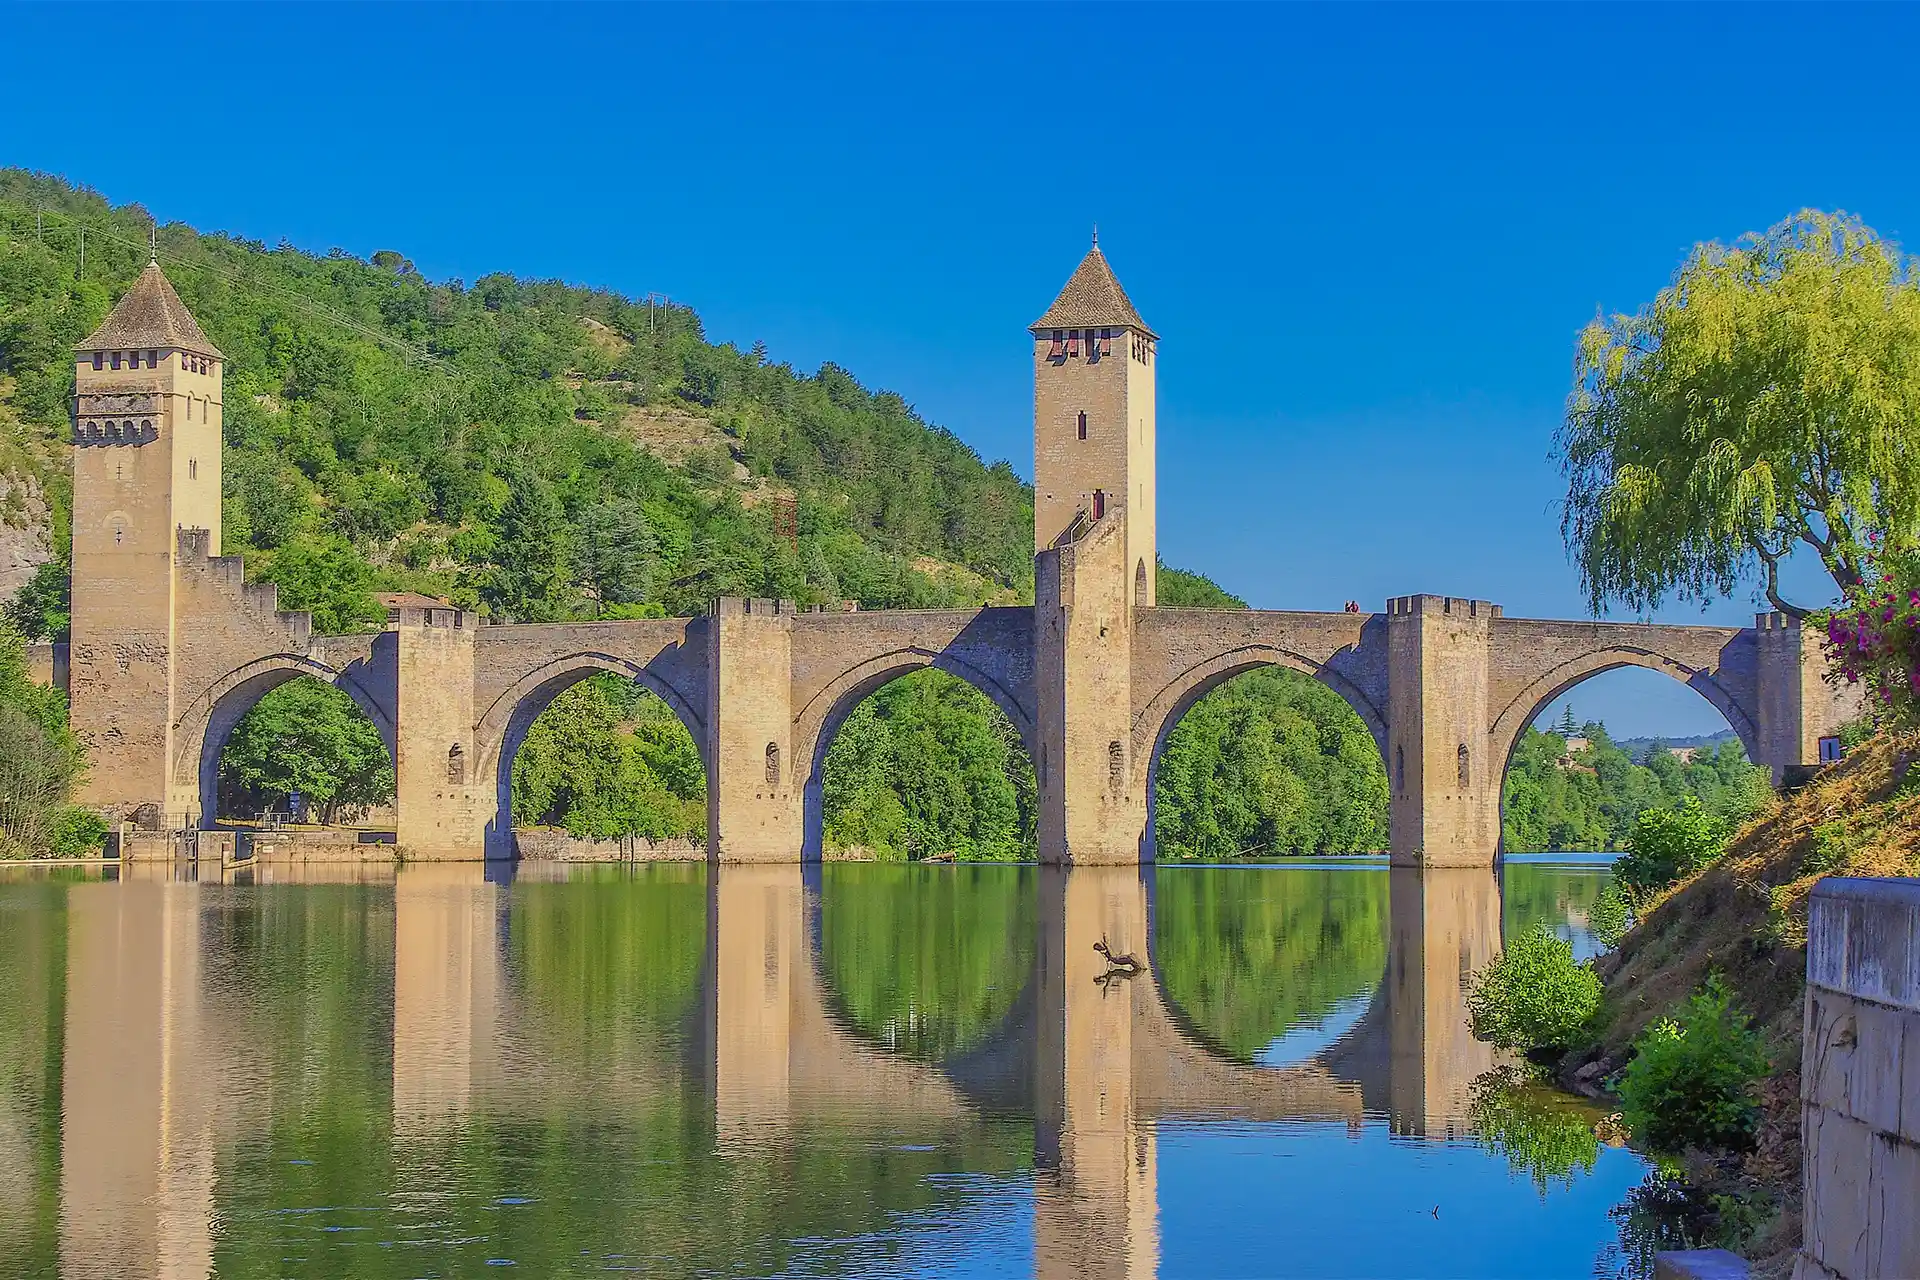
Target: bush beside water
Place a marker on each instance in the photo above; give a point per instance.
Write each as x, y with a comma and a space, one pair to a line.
1534, 996
1692, 1081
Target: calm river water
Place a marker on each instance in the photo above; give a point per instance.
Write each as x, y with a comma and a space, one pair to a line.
851, 1070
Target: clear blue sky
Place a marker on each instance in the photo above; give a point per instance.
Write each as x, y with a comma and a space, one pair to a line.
1368, 234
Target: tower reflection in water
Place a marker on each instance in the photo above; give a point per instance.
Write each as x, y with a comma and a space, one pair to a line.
158, 1077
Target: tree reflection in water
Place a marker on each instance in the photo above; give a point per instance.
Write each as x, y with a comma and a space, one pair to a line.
759, 1069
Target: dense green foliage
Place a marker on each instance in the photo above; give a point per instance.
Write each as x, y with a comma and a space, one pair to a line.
483, 441
1764, 401
1592, 805
927, 960
929, 767
1244, 960
1271, 762
1668, 845
305, 737
1534, 996
1178, 589
1692, 1080
608, 758
40, 764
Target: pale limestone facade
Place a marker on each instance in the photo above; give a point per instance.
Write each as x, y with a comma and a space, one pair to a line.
171, 646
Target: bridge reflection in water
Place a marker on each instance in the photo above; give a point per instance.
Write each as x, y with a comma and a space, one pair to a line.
167, 1072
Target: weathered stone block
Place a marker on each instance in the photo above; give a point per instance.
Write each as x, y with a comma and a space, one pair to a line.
1827, 1056
1910, 1081
1838, 1160
1805, 1268
1863, 937
1893, 1209
1873, 1075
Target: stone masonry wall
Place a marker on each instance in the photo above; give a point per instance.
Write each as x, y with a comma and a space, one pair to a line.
1860, 1082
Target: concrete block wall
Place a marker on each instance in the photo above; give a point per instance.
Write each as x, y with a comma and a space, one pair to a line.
1860, 1082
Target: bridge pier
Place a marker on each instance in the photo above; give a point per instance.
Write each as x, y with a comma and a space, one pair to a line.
755, 787
441, 812
1093, 808
1444, 805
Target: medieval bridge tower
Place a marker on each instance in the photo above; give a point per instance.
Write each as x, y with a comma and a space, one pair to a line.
171, 646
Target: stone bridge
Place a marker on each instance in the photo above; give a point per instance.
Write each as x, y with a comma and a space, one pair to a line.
171, 646
1445, 685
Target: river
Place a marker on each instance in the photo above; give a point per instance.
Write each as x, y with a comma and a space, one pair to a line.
855, 1069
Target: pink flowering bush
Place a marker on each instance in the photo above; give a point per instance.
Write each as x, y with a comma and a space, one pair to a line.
1874, 637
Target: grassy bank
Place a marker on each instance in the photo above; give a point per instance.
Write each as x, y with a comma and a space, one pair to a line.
1744, 918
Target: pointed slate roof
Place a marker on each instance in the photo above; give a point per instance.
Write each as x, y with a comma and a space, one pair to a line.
1093, 299
150, 314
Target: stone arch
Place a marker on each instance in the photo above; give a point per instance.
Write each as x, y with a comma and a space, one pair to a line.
1512, 720
503, 726
1152, 724
201, 732
816, 724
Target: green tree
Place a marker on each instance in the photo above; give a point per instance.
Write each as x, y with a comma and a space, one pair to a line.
40, 763
306, 737
533, 558
328, 578
39, 610
1668, 845
1765, 400
608, 759
1534, 996
616, 552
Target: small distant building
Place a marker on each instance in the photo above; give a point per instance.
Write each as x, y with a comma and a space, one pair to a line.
1578, 743
394, 601
1684, 755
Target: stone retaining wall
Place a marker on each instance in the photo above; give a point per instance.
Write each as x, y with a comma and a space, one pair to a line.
545, 845
1860, 1091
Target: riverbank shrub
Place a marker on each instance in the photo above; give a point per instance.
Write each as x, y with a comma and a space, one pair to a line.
1667, 845
41, 762
1534, 996
1693, 1080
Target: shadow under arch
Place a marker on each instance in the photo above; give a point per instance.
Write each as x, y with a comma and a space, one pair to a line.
1156, 721
204, 728
503, 727
820, 721
1511, 724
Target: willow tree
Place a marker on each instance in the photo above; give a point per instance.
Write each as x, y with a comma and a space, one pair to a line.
1767, 401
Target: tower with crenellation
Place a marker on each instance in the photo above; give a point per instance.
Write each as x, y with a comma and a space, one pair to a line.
1093, 417
146, 464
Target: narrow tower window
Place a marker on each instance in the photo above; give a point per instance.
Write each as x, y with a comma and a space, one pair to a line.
1083, 424
1116, 763
773, 765
456, 764
1466, 767
1099, 504
1400, 770
193, 473
1140, 582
